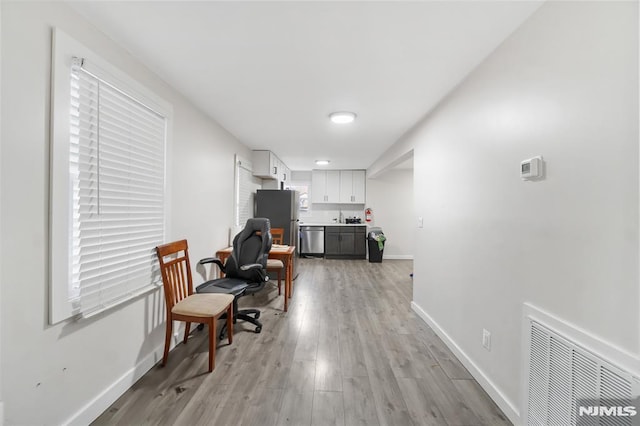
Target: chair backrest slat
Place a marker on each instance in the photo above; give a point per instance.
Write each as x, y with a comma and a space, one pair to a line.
277, 235
176, 271
180, 286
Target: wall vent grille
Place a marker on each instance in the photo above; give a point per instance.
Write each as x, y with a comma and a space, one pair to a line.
562, 376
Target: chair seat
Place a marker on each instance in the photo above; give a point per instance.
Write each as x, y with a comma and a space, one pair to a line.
234, 286
203, 305
275, 263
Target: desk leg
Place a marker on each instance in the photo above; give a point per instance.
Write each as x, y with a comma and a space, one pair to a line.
286, 287
290, 272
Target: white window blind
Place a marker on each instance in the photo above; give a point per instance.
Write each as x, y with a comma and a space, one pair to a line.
116, 173
246, 188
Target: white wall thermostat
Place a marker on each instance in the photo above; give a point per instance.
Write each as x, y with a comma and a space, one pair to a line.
531, 168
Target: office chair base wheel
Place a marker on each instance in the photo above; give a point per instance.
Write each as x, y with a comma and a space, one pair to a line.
256, 317
223, 332
200, 327
258, 329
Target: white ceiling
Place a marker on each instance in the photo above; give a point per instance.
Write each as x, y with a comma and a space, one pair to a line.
271, 72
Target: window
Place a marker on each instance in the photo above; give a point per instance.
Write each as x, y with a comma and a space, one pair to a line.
108, 185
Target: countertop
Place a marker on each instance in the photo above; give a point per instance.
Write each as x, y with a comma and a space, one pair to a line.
330, 224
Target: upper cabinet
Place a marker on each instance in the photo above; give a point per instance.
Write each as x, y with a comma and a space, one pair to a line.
338, 186
284, 174
325, 186
352, 186
359, 186
267, 165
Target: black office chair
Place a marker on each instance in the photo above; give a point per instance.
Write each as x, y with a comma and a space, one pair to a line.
245, 270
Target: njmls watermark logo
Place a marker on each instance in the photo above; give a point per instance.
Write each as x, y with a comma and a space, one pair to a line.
628, 411
592, 409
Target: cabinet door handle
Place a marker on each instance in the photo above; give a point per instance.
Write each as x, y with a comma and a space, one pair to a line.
275, 170
285, 177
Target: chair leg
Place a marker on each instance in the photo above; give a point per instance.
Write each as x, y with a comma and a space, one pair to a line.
230, 323
167, 340
187, 328
212, 344
279, 284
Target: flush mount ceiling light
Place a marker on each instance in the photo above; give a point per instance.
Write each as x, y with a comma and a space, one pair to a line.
342, 117
322, 162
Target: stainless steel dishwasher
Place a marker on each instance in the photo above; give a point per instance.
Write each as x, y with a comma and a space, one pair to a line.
312, 240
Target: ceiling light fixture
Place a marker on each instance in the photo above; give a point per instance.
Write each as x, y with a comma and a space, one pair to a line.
342, 117
322, 162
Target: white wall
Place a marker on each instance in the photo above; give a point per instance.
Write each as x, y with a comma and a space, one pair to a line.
52, 372
564, 86
327, 213
390, 196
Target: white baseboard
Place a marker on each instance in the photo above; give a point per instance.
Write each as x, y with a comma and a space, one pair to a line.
506, 405
102, 401
397, 256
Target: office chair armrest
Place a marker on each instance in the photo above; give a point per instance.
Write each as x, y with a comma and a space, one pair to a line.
213, 260
251, 266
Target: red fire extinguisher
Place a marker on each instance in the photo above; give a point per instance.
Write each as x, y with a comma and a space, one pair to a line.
368, 214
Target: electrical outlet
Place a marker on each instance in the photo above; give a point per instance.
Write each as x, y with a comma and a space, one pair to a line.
486, 339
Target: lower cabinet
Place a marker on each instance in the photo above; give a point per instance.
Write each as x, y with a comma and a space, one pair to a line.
345, 242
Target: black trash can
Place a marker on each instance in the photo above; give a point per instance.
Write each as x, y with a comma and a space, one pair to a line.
375, 237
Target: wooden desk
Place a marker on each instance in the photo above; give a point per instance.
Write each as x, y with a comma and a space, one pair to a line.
283, 253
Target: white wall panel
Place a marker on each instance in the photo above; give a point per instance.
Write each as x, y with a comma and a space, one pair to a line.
390, 196
70, 370
564, 86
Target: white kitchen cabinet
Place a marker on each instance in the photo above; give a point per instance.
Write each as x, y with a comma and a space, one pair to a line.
346, 186
284, 174
265, 164
278, 169
318, 186
333, 186
325, 186
338, 186
352, 186
359, 186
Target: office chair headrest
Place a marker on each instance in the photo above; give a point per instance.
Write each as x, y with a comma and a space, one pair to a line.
254, 225
259, 224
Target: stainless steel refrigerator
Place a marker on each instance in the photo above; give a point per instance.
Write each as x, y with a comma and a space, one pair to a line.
280, 206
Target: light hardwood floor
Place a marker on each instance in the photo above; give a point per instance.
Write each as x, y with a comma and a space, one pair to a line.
350, 351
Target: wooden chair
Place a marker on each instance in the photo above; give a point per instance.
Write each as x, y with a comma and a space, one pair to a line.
277, 236
184, 305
